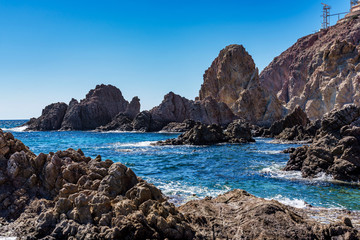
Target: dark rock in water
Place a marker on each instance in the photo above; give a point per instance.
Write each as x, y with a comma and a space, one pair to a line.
175, 108
51, 118
99, 107
120, 122
144, 122
179, 127
66, 195
240, 215
202, 134
300, 133
296, 118
335, 149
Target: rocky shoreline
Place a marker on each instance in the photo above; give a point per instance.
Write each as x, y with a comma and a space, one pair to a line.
66, 195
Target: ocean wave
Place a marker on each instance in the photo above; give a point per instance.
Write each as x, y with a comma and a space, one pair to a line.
136, 144
269, 151
15, 129
297, 203
180, 193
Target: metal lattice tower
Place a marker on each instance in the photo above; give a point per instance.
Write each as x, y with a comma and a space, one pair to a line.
353, 3
326, 16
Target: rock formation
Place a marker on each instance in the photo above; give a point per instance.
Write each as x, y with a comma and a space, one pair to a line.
319, 72
233, 79
50, 119
335, 150
240, 215
66, 195
175, 108
179, 127
98, 108
202, 134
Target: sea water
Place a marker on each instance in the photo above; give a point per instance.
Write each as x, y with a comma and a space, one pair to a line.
184, 173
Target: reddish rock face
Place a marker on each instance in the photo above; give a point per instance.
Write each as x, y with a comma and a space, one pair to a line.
233, 79
319, 72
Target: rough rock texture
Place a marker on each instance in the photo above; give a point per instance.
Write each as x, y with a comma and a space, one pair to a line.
300, 133
239, 215
294, 119
99, 107
175, 108
233, 79
336, 147
120, 122
50, 119
319, 72
202, 134
179, 127
65, 194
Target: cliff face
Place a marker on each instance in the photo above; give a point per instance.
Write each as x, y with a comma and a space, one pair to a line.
319, 72
233, 79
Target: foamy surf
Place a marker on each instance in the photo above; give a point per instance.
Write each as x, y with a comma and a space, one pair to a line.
15, 129
297, 203
136, 144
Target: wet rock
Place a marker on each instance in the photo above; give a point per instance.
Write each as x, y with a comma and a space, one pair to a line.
335, 149
202, 134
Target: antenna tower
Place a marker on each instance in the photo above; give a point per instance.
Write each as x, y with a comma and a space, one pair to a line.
353, 2
326, 16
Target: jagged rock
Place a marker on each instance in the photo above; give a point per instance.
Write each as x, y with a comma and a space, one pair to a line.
99, 107
133, 108
202, 134
335, 149
300, 133
120, 122
320, 72
50, 119
296, 118
240, 215
66, 195
179, 127
233, 79
175, 108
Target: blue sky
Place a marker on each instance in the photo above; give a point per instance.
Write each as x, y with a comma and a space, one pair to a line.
51, 51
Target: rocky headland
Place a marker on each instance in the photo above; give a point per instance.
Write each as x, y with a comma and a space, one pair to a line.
66, 195
335, 149
98, 108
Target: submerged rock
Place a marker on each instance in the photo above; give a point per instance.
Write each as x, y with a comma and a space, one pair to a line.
335, 150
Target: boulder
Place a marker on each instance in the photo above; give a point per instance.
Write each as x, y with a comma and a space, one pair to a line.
179, 127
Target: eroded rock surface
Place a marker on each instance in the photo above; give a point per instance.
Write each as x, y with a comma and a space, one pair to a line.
240, 215
336, 147
320, 72
67, 195
233, 79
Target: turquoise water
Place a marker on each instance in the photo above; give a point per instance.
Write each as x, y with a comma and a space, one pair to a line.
187, 172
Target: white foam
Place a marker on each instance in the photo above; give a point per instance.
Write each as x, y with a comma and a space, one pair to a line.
297, 203
15, 129
180, 193
269, 151
136, 144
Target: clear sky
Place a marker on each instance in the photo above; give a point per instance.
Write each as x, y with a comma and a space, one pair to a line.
53, 50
